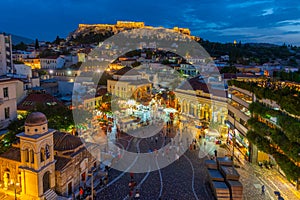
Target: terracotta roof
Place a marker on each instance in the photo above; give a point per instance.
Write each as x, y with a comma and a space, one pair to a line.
33, 99
194, 84
12, 153
65, 141
61, 162
197, 84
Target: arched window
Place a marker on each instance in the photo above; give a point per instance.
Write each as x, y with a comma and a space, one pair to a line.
47, 152
42, 154
31, 156
26, 153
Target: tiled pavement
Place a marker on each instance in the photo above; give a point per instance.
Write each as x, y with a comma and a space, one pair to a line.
176, 180
183, 179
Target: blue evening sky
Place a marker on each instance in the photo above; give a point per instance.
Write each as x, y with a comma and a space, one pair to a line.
216, 20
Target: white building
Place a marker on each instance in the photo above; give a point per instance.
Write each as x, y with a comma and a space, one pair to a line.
188, 69
291, 69
70, 59
8, 103
6, 62
23, 70
21, 55
52, 62
195, 60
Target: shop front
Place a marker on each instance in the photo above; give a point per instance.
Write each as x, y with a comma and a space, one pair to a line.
241, 142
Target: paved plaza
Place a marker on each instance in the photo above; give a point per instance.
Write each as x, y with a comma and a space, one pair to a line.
186, 178
183, 179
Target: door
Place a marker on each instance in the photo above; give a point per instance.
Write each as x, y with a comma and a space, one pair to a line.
70, 188
46, 181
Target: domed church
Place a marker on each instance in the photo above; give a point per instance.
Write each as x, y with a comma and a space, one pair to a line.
45, 163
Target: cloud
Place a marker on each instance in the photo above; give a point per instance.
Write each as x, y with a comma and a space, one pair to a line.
247, 4
290, 22
218, 20
268, 11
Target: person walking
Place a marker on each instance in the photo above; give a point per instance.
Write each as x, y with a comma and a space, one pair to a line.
216, 152
131, 175
137, 194
263, 189
130, 193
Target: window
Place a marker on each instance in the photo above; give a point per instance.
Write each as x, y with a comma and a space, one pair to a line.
26, 155
70, 188
6, 113
42, 153
230, 113
32, 156
47, 152
5, 92
83, 177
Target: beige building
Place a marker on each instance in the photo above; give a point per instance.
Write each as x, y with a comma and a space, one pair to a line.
52, 62
8, 101
45, 163
196, 99
129, 83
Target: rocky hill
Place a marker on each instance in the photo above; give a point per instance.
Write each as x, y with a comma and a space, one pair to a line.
95, 33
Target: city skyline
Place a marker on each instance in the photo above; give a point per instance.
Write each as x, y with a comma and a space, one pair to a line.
246, 21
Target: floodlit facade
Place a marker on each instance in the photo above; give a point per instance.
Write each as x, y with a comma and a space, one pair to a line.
198, 100
45, 163
128, 83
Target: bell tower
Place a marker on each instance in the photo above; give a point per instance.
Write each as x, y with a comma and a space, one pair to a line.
38, 164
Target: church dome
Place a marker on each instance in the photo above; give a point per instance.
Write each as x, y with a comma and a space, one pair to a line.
36, 119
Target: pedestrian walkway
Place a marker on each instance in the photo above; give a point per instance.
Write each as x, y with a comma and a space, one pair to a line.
253, 177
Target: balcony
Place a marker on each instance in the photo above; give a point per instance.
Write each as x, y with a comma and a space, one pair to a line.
239, 111
238, 125
241, 101
241, 128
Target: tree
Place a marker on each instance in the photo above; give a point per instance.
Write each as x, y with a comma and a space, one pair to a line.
230, 69
37, 46
42, 72
21, 46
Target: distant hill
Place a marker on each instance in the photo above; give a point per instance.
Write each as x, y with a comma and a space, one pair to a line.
95, 33
16, 39
263, 44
